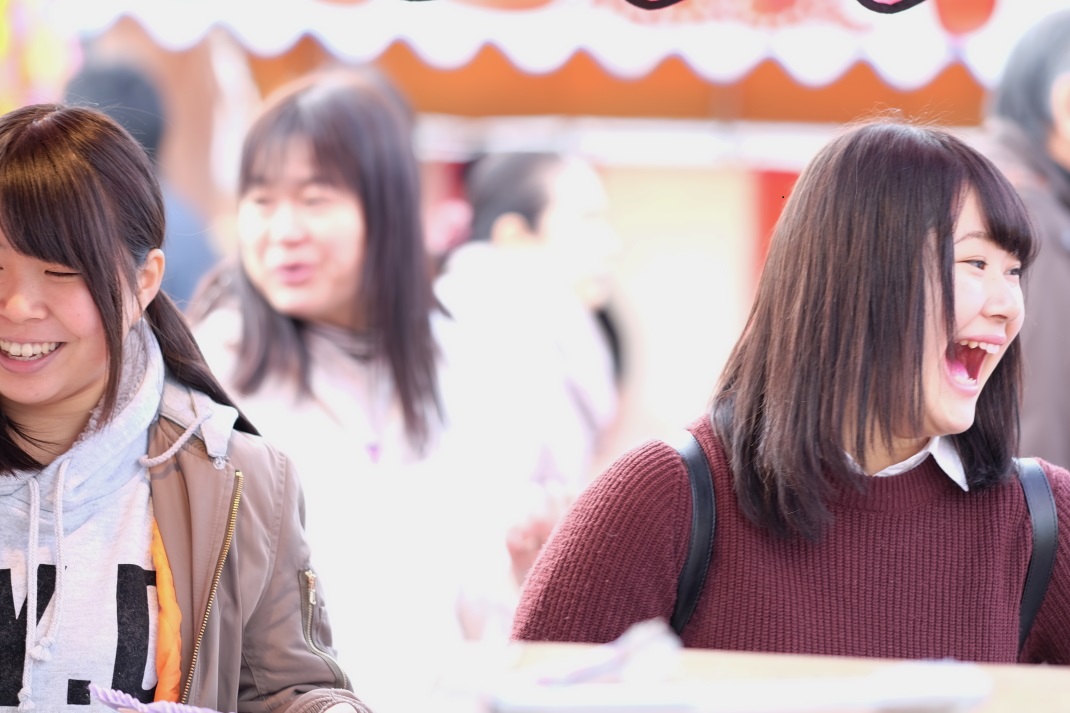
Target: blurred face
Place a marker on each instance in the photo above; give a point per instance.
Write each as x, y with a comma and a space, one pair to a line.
301, 240
575, 228
1058, 139
989, 310
53, 355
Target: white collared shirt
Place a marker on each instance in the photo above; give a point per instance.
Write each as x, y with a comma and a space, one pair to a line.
944, 453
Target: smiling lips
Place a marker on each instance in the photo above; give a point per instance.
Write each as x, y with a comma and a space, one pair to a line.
27, 351
294, 273
965, 357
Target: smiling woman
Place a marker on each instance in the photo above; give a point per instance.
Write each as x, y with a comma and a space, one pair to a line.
989, 311
54, 357
122, 498
329, 237
317, 279
860, 439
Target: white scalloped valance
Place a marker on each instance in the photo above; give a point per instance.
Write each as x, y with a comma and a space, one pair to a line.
907, 49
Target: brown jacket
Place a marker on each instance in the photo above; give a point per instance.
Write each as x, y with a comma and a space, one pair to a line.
1045, 190
229, 507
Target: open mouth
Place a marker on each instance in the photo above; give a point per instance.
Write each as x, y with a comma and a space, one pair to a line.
964, 360
27, 351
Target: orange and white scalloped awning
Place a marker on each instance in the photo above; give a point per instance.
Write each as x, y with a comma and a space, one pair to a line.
816, 41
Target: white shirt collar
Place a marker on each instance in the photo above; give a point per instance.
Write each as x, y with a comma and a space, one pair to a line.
943, 452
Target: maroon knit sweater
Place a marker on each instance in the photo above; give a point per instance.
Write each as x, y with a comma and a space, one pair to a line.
913, 567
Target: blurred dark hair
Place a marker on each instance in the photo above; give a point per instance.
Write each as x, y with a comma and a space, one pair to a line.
359, 128
1023, 95
77, 190
502, 183
831, 355
124, 93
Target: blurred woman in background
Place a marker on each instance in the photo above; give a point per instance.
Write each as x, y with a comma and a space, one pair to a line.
327, 333
1027, 134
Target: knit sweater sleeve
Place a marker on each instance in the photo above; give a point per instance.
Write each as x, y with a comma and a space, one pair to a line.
1049, 639
615, 558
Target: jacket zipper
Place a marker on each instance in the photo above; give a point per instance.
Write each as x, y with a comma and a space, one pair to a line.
232, 519
310, 606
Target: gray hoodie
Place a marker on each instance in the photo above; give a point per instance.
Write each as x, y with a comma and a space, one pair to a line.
76, 537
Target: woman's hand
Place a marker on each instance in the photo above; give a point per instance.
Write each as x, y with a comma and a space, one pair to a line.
525, 538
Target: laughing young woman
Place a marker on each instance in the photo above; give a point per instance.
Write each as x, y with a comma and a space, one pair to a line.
861, 438
150, 542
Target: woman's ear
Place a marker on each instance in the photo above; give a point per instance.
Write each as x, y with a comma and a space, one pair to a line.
149, 278
510, 229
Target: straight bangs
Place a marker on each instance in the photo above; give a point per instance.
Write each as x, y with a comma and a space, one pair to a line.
268, 141
53, 204
1006, 217
831, 357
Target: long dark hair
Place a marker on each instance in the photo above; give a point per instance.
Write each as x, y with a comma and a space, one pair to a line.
359, 128
832, 350
77, 190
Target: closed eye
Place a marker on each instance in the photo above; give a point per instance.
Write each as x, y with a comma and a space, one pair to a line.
61, 273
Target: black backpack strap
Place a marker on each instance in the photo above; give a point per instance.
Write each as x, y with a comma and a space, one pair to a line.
1041, 504
703, 519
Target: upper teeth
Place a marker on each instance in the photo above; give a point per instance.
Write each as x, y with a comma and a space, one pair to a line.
19, 349
990, 348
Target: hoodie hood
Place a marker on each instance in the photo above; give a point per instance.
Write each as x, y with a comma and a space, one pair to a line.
105, 455
75, 544
197, 414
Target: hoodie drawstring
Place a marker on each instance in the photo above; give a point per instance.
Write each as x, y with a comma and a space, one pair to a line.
179, 442
38, 649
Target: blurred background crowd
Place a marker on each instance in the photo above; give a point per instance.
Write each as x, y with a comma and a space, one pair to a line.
639, 158
697, 117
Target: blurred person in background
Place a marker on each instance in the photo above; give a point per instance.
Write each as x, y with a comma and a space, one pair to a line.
860, 440
1028, 136
533, 281
328, 335
536, 273
131, 97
